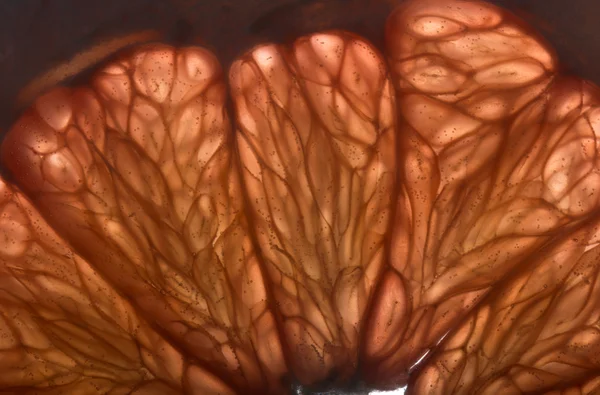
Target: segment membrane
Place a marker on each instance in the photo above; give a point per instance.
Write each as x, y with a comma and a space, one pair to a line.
316, 141
136, 173
500, 167
63, 328
539, 328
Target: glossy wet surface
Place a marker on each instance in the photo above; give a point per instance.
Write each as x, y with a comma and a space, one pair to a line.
321, 214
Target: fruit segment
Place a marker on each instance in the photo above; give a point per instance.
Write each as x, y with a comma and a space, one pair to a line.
136, 173
63, 328
497, 158
327, 218
316, 143
539, 329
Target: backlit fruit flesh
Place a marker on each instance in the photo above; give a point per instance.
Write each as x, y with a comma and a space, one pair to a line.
322, 215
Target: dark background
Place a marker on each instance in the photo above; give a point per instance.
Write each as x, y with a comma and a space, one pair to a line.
37, 34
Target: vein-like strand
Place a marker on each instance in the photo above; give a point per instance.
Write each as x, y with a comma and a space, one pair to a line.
540, 327
316, 141
64, 329
137, 175
499, 159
